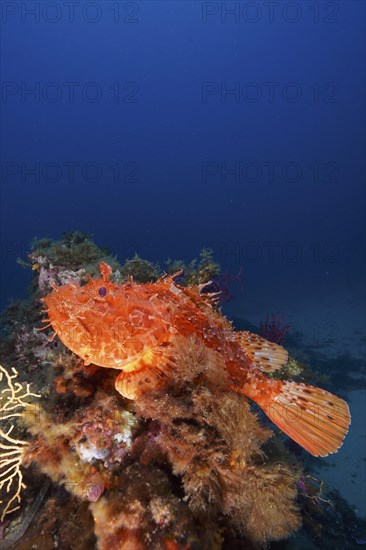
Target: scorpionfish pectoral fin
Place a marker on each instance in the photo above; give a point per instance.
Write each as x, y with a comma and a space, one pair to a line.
146, 373
180, 358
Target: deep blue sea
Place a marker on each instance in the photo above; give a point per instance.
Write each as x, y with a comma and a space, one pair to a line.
161, 127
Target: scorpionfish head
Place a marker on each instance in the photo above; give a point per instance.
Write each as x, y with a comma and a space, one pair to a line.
94, 321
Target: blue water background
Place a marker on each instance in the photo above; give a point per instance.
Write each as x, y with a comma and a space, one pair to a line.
289, 234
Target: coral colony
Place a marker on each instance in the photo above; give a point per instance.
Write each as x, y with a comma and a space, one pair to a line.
274, 328
142, 419
13, 401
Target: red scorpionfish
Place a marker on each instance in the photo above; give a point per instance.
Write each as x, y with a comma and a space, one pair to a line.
135, 327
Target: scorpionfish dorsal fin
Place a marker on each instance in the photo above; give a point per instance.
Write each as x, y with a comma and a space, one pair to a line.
265, 355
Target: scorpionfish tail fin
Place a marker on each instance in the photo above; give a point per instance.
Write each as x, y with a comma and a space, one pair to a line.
314, 418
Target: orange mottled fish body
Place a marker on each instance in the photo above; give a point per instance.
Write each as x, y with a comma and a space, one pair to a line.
134, 328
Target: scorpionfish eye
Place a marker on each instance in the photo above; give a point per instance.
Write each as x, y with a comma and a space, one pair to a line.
102, 291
